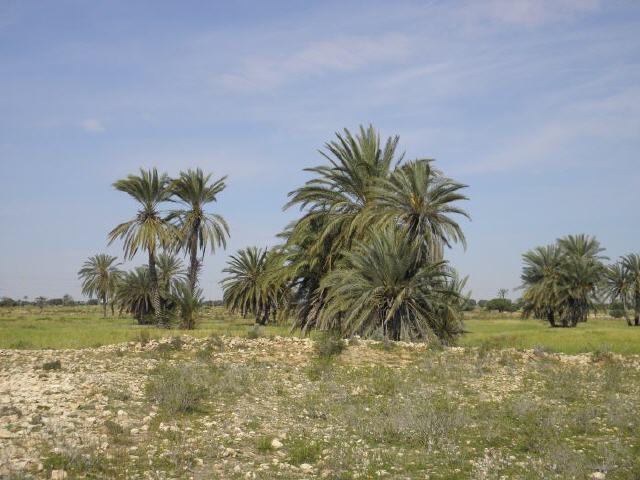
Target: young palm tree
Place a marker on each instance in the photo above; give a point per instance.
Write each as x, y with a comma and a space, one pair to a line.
134, 294
187, 302
384, 285
148, 230
243, 290
100, 276
170, 271
198, 229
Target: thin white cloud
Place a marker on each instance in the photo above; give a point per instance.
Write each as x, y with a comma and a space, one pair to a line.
531, 13
337, 55
92, 125
613, 117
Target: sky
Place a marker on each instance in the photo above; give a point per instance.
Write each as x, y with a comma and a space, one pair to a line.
533, 104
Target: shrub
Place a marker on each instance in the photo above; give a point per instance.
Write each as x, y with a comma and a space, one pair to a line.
254, 332
328, 345
178, 389
143, 337
616, 311
303, 450
53, 365
263, 443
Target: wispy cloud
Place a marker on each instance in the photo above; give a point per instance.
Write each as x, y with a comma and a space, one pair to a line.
614, 117
530, 12
92, 125
337, 55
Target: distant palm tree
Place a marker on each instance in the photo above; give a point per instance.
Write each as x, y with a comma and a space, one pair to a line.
243, 289
561, 281
41, 302
148, 230
618, 286
100, 276
623, 285
198, 229
541, 277
382, 285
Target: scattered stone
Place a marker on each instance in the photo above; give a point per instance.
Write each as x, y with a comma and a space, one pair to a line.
275, 443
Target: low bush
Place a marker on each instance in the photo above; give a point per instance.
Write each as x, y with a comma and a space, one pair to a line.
254, 332
53, 365
178, 389
328, 345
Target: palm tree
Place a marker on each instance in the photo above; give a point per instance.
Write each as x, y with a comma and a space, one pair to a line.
333, 202
198, 229
618, 286
579, 283
383, 285
341, 190
243, 291
582, 246
170, 271
187, 302
541, 280
421, 201
134, 294
148, 230
100, 276
623, 284
631, 263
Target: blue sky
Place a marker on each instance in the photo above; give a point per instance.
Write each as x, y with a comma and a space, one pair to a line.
534, 104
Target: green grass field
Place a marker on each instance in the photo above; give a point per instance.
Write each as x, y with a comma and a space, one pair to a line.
83, 326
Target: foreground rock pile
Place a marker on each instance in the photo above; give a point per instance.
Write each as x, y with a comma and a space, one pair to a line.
86, 414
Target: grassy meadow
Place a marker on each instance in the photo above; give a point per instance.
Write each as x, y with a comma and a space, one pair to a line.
83, 326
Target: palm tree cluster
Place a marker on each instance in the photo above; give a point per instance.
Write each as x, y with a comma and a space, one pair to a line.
366, 256
563, 282
153, 291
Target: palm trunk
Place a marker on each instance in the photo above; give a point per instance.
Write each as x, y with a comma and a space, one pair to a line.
155, 291
104, 306
551, 318
193, 265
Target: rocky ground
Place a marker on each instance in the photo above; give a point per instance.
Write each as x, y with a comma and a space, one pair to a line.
276, 408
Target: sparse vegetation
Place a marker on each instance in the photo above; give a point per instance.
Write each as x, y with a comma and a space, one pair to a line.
52, 365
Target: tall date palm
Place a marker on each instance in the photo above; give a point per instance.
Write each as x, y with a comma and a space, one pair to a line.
148, 230
198, 230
